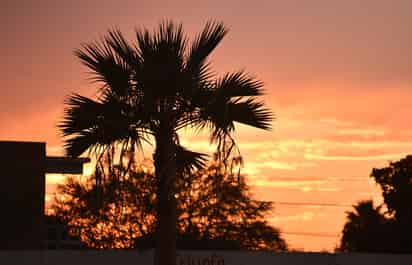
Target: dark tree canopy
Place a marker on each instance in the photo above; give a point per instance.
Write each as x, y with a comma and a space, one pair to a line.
396, 184
363, 230
111, 213
215, 210
370, 229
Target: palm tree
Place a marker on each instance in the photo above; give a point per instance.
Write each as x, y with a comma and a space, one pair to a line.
150, 90
366, 229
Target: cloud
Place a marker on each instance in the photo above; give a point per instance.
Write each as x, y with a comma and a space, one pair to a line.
303, 216
279, 182
55, 178
285, 184
355, 158
365, 132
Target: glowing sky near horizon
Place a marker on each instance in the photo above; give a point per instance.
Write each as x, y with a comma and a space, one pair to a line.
338, 76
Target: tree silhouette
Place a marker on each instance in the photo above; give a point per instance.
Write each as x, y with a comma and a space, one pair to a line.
150, 90
396, 185
370, 229
215, 211
111, 214
364, 230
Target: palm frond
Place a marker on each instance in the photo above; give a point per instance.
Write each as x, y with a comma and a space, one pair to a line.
83, 141
250, 112
220, 116
168, 42
197, 69
162, 62
88, 123
187, 160
203, 45
80, 113
230, 99
238, 84
106, 66
172, 37
123, 49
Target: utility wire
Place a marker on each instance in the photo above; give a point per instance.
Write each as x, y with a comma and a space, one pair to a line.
309, 234
289, 203
313, 204
324, 179
304, 204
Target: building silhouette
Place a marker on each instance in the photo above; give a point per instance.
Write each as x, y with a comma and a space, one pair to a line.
22, 192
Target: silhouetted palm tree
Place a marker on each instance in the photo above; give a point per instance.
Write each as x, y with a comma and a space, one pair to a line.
365, 230
153, 88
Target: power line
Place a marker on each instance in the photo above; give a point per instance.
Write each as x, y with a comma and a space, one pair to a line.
288, 203
322, 179
309, 234
313, 204
305, 204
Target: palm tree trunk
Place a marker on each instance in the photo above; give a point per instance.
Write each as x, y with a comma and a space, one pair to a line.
165, 170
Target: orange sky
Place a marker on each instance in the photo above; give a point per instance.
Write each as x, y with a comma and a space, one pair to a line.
337, 76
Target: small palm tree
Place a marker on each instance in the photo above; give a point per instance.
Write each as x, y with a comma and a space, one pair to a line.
150, 90
365, 229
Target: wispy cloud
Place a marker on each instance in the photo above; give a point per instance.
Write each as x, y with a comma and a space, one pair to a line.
354, 158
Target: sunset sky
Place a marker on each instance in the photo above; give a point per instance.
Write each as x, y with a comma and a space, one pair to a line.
338, 76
